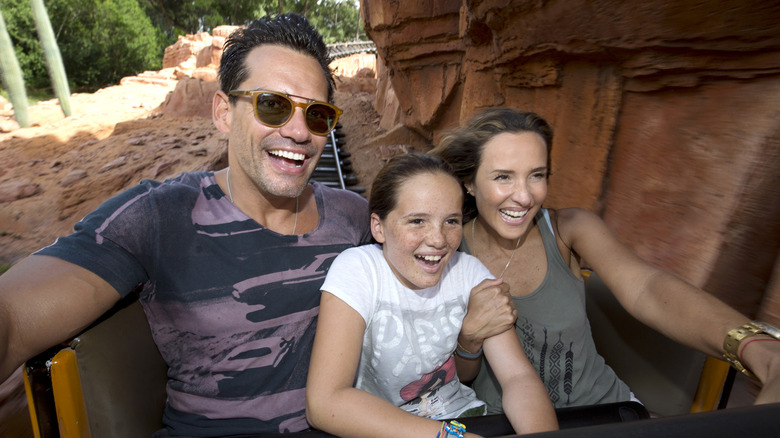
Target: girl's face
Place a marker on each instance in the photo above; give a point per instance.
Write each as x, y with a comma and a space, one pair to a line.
511, 183
422, 232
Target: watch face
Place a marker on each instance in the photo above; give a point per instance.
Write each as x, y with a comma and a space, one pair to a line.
768, 329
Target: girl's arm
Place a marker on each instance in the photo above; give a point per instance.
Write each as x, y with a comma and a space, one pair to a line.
332, 403
662, 300
490, 312
525, 400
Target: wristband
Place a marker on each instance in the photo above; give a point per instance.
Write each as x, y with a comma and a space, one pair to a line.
737, 335
466, 355
441, 429
453, 428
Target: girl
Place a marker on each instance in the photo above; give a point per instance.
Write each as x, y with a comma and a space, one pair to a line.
389, 319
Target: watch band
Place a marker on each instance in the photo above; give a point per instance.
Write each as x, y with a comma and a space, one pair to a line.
736, 335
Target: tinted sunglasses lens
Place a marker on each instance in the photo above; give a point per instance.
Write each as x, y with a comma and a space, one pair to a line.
273, 109
320, 118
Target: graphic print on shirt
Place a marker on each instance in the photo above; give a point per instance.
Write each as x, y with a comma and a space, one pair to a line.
194, 254
410, 356
552, 361
424, 392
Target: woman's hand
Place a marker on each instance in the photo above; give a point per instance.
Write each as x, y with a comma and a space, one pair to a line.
762, 357
490, 312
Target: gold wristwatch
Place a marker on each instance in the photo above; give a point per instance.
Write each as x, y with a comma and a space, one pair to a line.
736, 335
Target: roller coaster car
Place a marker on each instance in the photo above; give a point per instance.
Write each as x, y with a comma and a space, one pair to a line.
109, 381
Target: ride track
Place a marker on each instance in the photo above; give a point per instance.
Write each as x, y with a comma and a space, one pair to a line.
335, 167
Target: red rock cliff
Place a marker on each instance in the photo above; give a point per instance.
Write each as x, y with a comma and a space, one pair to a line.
666, 115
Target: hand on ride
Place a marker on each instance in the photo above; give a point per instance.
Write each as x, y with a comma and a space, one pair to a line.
763, 359
490, 312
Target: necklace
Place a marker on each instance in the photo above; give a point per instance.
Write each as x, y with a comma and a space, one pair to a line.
295, 224
473, 242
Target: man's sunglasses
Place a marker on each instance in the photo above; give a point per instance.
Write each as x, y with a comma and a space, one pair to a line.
275, 109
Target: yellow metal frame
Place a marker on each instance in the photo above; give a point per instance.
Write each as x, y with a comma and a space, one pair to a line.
31, 405
68, 396
711, 385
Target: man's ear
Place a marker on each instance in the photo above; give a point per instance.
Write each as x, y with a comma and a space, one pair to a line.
220, 112
376, 228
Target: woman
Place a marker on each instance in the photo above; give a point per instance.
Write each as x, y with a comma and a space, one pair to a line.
502, 158
390, 315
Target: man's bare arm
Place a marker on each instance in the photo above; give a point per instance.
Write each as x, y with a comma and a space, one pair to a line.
44, 301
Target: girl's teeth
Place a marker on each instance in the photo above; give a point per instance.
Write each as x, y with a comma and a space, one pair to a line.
431, 258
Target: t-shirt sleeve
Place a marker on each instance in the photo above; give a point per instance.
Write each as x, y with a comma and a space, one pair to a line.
108, 241
351, 278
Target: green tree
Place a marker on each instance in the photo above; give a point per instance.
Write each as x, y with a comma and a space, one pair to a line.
101, 41
115, 36
53, 56
337, 20
12, 78
21, 28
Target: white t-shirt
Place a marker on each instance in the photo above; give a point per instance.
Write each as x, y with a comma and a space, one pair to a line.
410, 336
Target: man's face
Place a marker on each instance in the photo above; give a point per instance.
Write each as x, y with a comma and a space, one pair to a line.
280, 160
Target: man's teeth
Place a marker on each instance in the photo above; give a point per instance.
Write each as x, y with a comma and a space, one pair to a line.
431, 258
514, 214
288, 155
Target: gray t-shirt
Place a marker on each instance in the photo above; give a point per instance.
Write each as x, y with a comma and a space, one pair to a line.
232, 305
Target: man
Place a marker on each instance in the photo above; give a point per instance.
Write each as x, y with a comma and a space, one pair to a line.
229, 263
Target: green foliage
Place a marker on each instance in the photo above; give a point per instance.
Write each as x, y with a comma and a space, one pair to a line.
337, 20
21, 27
12, 76
102, 41
53, 56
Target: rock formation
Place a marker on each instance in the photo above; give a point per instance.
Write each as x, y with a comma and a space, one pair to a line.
666, 115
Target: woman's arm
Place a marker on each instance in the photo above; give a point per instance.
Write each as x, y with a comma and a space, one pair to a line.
332, 403
662, 300
525, 400
490, 312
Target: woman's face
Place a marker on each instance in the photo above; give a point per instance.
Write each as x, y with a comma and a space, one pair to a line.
424, 229
511, 183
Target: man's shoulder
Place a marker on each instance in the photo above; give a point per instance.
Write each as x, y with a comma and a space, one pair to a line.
149, 192
185, 181
332, 194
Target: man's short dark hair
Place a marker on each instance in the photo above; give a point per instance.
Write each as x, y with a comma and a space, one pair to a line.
288, 30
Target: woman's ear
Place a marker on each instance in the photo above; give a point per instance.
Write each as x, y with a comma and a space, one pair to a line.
220, 112
469, 188
376, 228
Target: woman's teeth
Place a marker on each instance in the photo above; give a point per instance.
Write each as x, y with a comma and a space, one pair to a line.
513, 214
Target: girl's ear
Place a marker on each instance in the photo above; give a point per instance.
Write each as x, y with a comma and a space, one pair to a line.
376, 228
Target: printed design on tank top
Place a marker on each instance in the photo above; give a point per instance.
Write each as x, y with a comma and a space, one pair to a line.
555, 369
552, 361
